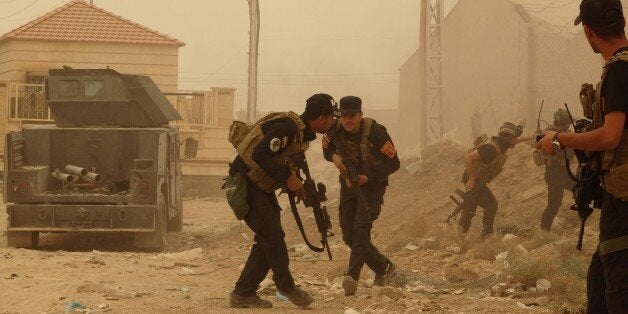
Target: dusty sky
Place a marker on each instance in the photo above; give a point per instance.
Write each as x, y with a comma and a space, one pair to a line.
340, 47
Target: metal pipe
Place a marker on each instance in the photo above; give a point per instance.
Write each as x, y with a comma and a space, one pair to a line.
77, 171
93, 176
57, 174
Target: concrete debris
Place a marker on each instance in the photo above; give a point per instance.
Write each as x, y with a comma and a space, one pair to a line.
95, 261
519, 249
431, 243
501, 256
509, 237
161, 264
185, 256
102, 306
419, 287
390, 292
453, 249
542, 285
267, 283
184, 271
411, 247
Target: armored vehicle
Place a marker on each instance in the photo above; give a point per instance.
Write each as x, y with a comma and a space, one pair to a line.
109, 164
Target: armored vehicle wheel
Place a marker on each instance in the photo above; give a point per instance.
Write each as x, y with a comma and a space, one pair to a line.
176, 223
155, 240
23, 239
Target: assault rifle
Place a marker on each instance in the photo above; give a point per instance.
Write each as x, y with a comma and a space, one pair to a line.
351, 174
587, 190
463, 195
314, 194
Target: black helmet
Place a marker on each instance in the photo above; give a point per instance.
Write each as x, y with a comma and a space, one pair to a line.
510, 130
561, 117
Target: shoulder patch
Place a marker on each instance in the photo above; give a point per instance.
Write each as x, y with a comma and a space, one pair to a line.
388, 149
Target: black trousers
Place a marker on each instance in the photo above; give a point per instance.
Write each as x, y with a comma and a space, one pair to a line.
558, 181
269, 252
607, 278
356, 229
483, 197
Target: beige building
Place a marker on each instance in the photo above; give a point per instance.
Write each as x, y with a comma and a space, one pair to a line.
81, 35
500, 62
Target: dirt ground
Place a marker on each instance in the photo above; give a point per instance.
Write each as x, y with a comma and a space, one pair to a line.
196, 272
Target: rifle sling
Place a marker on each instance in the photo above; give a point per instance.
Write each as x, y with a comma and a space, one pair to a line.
297, 218
613, 245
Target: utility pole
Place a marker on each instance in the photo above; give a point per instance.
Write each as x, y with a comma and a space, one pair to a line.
251, 103
432, 106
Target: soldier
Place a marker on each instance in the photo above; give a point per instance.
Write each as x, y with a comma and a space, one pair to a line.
369, 148
262, 156
603, 22
556, 176
483, 164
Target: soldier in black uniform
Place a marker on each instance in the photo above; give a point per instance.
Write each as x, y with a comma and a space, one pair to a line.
604, 25
556, 176
370, 149
262, 156
482, 165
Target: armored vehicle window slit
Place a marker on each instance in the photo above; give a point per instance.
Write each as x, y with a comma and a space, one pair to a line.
68, 88
94, 88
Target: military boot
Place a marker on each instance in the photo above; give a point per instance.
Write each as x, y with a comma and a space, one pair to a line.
350, 285
298, 297
238, 301
382, 279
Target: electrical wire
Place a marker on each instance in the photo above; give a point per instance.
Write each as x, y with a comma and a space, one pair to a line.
19, 11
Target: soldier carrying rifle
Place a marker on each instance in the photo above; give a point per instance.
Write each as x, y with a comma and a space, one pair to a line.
604, 24
482, 164
365, 155
260, 168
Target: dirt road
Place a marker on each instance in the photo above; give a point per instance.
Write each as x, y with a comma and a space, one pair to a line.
197, 271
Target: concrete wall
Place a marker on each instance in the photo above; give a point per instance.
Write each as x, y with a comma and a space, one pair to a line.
486, 66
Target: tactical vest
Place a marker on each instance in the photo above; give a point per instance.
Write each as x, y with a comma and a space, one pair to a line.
614, 162
245, 149
486, 172
360, 154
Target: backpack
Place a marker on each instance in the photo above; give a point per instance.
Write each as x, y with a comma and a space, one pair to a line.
237, 132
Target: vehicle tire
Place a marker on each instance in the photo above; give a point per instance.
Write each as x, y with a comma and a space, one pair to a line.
155, 240
23, 239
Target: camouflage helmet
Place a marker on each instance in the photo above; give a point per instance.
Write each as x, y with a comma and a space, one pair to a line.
508, 129
561, 117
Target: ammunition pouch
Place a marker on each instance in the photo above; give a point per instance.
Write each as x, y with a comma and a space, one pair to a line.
235, 187
587, 99
615, 181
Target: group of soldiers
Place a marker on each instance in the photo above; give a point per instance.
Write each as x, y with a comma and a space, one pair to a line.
263, 154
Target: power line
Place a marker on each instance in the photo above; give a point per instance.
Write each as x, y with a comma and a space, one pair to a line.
20, 11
